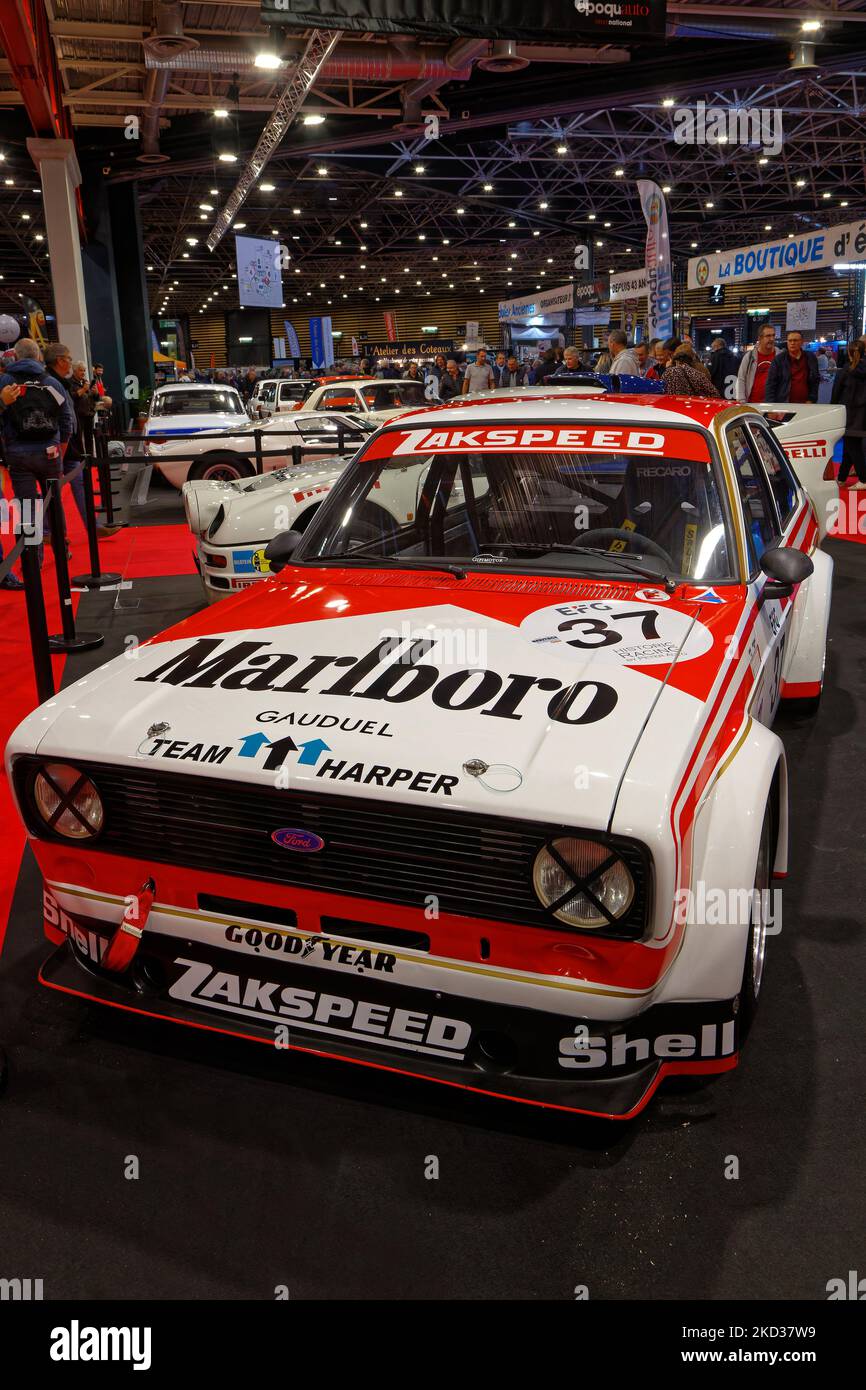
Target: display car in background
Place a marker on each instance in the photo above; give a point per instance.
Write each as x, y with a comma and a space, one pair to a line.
227, 459
449, 794
273, 395
365, 394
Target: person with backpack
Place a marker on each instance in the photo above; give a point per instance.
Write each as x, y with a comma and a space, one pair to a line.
7, 395
36, 428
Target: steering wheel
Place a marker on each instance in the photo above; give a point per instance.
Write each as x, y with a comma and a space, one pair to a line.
619, 533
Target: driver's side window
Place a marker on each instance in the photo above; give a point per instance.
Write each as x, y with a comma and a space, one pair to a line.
759, 509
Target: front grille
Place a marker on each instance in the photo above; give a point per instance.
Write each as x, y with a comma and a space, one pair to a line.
472, 865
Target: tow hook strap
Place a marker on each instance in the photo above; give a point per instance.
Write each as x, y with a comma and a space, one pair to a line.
124, 943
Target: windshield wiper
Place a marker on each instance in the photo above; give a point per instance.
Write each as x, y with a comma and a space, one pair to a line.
613, 556
376, 561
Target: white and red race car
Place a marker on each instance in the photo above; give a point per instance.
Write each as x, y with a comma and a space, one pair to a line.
487, 794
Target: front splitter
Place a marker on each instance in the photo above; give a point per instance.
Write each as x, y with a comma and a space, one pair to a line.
618, 1098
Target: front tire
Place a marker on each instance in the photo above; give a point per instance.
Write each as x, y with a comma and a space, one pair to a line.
220, 468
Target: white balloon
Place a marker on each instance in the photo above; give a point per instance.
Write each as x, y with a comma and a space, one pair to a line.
10, 329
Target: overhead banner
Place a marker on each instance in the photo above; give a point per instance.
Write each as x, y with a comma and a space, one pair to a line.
590, 293
321, 342
604, 20
390, 326
808, 251
259, 280
552, 301
660, 289
628, 284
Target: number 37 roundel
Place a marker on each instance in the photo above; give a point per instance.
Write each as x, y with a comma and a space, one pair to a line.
620, 632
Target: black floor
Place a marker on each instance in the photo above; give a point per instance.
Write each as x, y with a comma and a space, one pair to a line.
257, 1172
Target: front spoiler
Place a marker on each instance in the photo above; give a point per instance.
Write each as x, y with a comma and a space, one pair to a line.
618, 1097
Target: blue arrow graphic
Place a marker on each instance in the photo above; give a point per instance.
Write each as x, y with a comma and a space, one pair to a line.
313, 750
251, 744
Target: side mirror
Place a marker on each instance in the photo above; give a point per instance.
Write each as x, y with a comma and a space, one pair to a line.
786, 568
280, 550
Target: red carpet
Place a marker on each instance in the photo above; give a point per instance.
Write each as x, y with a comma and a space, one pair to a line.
135, 553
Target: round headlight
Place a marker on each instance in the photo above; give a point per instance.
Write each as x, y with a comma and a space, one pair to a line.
67, 801
566, 871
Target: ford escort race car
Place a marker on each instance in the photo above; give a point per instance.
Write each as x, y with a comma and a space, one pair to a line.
487, 794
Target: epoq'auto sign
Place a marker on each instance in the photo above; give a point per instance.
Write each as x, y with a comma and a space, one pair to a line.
808, 251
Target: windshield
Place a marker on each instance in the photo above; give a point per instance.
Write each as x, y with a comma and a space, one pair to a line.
622, 498
197, 403
387, 395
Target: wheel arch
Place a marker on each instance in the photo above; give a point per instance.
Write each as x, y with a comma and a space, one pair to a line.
725, 846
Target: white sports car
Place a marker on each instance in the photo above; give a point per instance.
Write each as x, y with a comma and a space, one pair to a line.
485, 792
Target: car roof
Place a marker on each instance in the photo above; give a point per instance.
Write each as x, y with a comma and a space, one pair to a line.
565, 405
197, 386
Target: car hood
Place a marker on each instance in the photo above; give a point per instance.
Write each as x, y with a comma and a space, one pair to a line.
195, 423
475, 685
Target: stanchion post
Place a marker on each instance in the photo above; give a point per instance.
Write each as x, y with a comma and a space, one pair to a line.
68, 640
95, 579
37, 622
257, 436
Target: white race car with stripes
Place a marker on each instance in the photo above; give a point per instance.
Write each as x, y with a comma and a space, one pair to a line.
483, 789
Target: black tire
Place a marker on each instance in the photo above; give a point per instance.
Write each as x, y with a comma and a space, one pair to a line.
220, 468
756, 944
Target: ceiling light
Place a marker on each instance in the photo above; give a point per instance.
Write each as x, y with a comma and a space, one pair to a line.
192, 241
562, 149
239, 226
544, 205
460, 212
228, 157
488, 188
710, 205
768, 227
398, 193
322, 170
221, 113
826, 195
618, 173
666, 188
150, 267
422, 236
296, 212
810, 26
419, 168
313, 119
668, 101
512, 224
591, 217
694, 246
844, 204
763, 160
266, 58
599, 243
607, 224
206, 207
267, 187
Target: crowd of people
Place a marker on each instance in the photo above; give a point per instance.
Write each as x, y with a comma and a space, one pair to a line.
48, 406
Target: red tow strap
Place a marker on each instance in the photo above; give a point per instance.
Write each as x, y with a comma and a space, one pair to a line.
124, 944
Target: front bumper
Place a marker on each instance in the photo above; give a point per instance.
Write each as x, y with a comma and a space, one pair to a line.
244, 565
584, 1066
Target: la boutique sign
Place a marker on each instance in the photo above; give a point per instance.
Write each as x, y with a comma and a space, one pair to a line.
808, 251
486, 19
